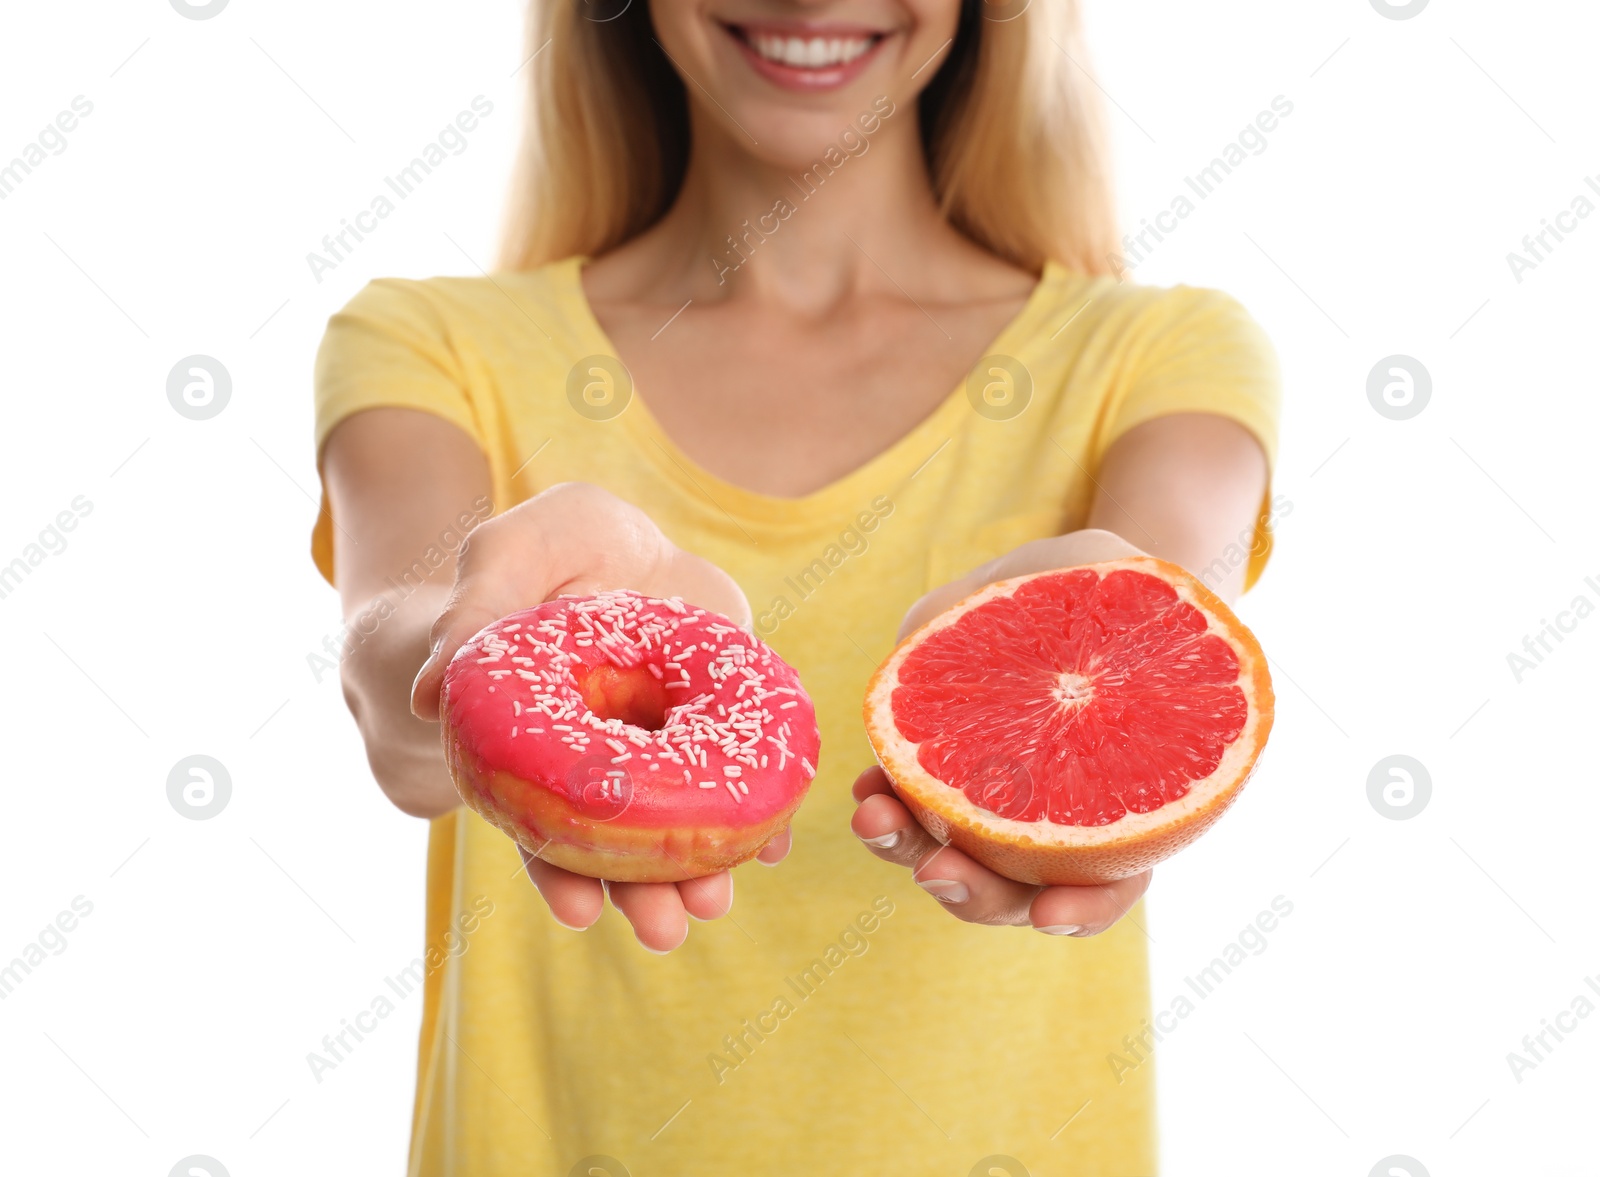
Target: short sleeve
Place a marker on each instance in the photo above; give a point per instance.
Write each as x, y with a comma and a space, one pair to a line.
1203, 353
388, 348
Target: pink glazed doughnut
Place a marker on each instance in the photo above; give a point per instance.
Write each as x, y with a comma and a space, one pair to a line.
627, 737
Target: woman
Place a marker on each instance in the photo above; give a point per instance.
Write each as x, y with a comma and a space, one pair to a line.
806, 316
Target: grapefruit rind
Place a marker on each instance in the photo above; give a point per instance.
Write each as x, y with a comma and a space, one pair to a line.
1044, 853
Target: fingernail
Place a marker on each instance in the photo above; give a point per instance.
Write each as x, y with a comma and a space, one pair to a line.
654, 951
567, 926
432, 658
1061, 929
945, 890
884, 841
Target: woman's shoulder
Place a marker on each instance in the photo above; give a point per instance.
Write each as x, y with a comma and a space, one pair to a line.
472, 308
1101, 327
1120, 353
1109, 303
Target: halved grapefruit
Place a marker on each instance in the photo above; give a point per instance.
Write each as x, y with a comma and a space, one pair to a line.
1074, 726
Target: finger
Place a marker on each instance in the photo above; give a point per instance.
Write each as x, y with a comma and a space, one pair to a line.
571, 538
776, 850
972, 892
702, 583
621, 547
709, 897
463, 616
667, 572
656, 912
1086, 911
569, 534
968, 889
886, 828
495, 575
574, 901
872, 780
930, 605
1087, 546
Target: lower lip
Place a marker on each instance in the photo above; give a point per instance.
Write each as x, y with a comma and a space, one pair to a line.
808, 80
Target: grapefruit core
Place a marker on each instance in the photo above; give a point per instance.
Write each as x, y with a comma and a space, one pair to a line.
1074, 726
629, 738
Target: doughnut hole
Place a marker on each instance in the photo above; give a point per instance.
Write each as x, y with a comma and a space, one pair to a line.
631, 694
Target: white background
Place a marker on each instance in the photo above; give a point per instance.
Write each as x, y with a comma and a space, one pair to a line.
1416, 556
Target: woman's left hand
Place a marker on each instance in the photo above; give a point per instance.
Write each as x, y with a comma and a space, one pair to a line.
975, 893
964, 888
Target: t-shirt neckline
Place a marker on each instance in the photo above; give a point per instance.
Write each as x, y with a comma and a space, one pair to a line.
850, 492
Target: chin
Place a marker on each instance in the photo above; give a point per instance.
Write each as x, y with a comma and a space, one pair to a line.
791, 87
812, 145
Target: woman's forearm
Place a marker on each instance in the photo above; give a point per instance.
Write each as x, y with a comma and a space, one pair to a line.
1186, 488
407, 488
389, 643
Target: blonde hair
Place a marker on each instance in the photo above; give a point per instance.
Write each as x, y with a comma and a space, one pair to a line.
1011, 129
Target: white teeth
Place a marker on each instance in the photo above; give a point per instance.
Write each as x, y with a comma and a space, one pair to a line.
813, 54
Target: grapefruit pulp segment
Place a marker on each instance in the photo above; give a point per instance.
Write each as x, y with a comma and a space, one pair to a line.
1074, 726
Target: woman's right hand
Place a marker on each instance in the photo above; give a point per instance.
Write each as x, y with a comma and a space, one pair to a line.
578, 538
967, 889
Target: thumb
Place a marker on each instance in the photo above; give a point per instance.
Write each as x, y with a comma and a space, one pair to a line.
464, 614
1085, 546
700, 582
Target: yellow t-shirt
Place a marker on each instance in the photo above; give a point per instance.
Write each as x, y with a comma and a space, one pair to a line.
839, 1021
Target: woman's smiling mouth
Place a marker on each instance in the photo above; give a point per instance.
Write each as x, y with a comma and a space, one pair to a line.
808, 57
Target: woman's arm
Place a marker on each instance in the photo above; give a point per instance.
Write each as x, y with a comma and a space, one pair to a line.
1184, 488
398, 480
1181, 487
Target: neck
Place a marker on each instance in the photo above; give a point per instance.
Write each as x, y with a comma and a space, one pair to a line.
857, 218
